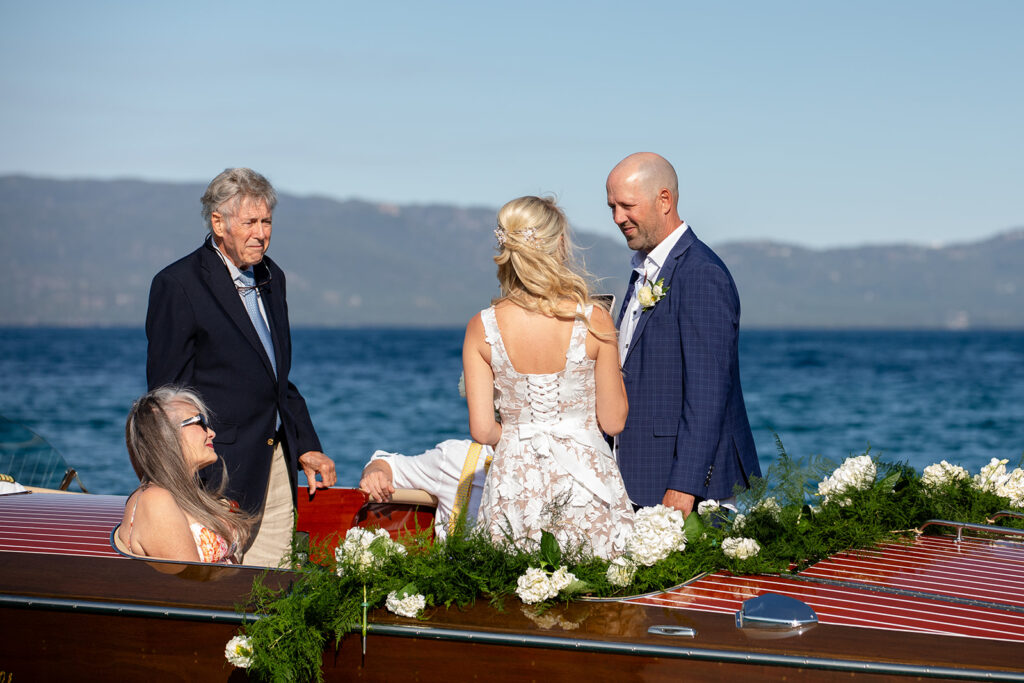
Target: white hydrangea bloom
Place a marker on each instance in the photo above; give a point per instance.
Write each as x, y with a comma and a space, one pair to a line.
409, 606
657, 532
620, 571
738, 522
561, 579
708, 507
238, 652
769, 505
535, 586
356, 550
546, 621
995, 479
855, 474
1013, 488
991, 475
942, 473
740, 548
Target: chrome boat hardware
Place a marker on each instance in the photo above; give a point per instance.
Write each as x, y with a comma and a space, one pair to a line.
775, 612
1008, 513
679, 631
980, 528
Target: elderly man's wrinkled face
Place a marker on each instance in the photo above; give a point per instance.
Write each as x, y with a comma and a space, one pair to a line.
244, 234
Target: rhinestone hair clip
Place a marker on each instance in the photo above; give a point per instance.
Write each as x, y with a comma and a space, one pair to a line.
526, 236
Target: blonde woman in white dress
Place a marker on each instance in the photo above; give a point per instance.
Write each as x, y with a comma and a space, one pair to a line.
546, 358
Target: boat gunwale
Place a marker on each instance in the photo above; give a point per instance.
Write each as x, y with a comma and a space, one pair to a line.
538, 641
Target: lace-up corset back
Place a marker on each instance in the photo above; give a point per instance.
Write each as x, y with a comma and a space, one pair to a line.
552, 469
543, 398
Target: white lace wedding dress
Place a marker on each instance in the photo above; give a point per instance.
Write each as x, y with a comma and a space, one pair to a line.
552, 469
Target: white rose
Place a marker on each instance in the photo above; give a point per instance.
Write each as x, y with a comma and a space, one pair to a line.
645, 296
238, 652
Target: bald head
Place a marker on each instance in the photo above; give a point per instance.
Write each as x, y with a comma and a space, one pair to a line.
643, 194
651, 172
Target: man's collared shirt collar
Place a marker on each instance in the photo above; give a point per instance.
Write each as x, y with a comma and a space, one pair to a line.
649, 265
232, 268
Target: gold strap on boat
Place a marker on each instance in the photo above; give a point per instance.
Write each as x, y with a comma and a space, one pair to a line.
466, 482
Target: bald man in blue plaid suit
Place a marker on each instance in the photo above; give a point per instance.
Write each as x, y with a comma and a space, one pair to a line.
687, 437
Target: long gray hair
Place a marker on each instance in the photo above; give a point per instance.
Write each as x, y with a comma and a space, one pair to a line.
157, 454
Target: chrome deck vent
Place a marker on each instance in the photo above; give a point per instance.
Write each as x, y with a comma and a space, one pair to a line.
771, 611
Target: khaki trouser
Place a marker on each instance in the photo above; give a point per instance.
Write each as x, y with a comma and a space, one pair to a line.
273, 533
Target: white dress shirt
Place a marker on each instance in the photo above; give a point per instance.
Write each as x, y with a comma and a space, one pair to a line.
437, 472
648, 267
238, 282
235, 275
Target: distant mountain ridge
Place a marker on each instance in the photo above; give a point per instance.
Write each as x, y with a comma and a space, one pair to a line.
83, 252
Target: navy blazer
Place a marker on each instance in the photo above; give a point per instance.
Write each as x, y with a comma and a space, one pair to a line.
200, 336
687, 427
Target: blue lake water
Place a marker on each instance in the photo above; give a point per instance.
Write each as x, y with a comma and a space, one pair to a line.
918, 397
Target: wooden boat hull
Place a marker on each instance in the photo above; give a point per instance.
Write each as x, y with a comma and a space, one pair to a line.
71, 607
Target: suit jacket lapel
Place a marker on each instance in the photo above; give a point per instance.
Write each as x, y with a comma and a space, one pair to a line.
273, 303
629, 295
666, 272
219, 281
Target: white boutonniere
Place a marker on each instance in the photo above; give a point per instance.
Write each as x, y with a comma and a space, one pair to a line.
651, 293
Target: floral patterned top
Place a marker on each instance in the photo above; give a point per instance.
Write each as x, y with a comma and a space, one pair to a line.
552, 468
211, 546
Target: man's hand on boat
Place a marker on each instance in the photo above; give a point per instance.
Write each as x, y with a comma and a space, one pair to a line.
376, 481
313, 463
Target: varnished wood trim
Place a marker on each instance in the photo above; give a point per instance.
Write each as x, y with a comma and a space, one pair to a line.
750, 657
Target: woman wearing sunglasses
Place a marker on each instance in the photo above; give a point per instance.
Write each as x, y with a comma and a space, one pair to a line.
172, 515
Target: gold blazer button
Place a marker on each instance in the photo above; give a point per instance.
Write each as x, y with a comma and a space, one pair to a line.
270, 442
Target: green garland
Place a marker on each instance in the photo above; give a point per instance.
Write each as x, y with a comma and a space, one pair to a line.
288, 641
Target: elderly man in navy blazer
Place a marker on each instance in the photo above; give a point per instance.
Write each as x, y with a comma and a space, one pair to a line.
687, 437
218, 322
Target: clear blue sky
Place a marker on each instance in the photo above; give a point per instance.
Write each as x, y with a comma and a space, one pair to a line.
821, 123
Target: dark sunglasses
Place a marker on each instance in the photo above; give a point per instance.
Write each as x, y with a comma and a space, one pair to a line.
196, 420
261, 284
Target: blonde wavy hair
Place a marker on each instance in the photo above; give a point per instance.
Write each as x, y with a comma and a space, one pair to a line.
537, 269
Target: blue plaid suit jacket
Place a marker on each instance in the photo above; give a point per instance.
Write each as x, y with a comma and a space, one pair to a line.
687, 427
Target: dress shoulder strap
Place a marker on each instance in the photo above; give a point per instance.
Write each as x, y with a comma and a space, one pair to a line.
131, 520
578, 339
491, 332
492, 335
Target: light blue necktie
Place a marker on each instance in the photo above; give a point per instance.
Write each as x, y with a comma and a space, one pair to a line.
252, 305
